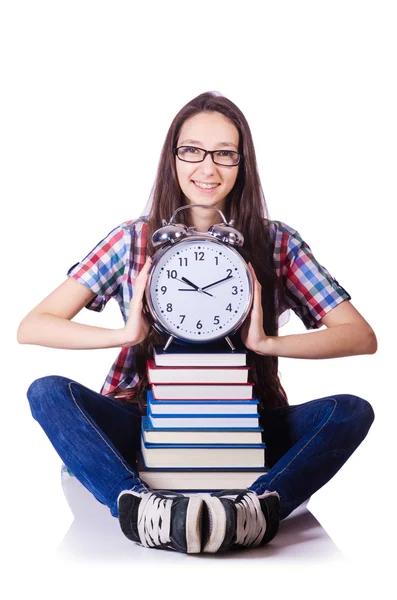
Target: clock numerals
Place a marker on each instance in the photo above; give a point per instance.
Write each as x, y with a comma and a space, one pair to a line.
216, 320
169, 307
163, 289
229, 272
183, 318
229, 307
216, 260
182, 261
199, 325
235, 290
199, 255
172, 274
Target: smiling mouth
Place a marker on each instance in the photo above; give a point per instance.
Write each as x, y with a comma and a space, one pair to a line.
205, 186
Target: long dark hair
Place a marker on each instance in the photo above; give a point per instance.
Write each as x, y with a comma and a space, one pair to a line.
247, 206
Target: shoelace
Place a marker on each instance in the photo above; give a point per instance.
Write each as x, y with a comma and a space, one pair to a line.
154, 520
251, 522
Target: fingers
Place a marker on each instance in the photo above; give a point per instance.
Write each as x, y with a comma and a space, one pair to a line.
254, 277
143, 273
257, 287
146, 267
140, 281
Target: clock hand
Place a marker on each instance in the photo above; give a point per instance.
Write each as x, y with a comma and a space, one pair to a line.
219, 281
194, 286
191, 290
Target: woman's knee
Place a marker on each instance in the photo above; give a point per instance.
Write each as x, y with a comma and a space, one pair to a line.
357, 409
44, 391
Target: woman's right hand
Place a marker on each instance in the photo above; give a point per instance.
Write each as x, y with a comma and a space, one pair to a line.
137, 327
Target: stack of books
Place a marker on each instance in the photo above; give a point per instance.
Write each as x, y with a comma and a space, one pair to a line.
202, 431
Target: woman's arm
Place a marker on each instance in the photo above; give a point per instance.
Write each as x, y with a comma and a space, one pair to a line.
49, 323
347, 334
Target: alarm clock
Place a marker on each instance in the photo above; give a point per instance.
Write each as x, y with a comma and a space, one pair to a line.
199, 289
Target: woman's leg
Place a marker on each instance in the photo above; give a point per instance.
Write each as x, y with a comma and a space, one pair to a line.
95, 436
307, 444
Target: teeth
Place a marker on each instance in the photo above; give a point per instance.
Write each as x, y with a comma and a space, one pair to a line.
206, 186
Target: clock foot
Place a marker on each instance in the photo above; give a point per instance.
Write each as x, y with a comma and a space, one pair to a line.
230, 343
168, 342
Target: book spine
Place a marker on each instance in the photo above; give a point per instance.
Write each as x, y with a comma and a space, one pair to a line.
143, 465
167, 391
217, 357
196, 375
201, 420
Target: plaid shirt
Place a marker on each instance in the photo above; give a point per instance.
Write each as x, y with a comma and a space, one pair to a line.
111, 268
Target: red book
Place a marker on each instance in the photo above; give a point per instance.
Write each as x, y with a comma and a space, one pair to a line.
199, 391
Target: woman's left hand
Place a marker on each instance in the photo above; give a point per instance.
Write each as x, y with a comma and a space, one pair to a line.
253, 335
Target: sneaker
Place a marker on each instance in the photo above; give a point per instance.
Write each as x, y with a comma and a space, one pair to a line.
234, 519
161, 519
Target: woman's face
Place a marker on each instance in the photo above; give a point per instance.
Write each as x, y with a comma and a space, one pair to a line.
211, 131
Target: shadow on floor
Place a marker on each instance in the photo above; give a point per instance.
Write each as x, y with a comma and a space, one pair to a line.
95, 536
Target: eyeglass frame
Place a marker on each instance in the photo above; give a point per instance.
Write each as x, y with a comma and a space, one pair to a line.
206, 152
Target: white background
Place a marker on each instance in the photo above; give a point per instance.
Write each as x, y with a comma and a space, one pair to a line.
89, 90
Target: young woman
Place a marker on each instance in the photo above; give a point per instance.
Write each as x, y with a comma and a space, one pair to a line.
208, 158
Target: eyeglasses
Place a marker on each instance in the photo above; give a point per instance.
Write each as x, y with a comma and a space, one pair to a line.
225, 158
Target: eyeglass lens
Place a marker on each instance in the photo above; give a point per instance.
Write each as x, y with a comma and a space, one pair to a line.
221, 157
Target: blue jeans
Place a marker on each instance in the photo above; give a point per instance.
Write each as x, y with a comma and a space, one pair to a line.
97, 438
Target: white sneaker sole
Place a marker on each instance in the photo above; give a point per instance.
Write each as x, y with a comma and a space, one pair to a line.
218, 520
193, 525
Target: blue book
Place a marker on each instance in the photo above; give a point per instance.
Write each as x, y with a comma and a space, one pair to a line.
248, 435
203, 456
202, 420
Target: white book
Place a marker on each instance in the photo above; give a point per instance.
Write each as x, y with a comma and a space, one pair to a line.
239, 456
198, 479
202, 481
199, 375
199, 355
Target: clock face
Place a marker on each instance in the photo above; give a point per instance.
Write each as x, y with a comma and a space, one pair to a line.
199, 289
